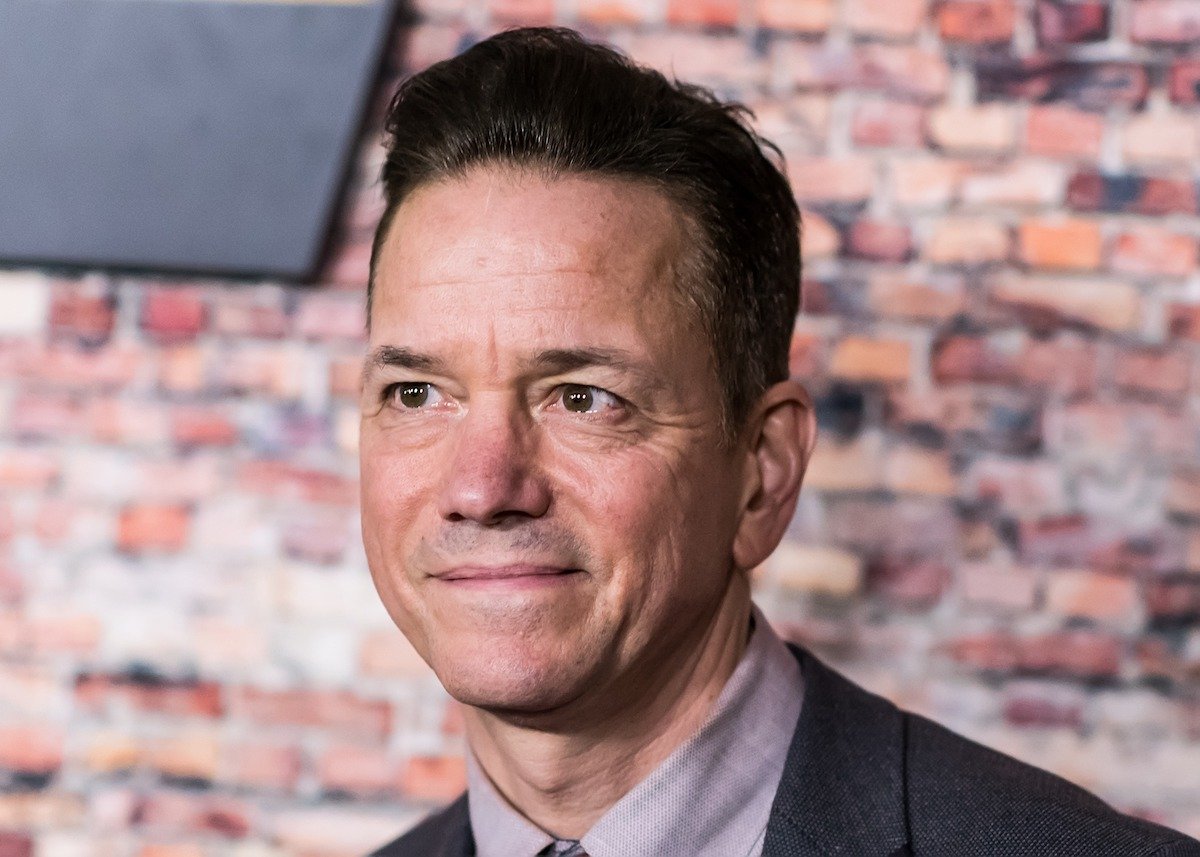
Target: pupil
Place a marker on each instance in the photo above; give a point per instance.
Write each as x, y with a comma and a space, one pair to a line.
414, 395
578, 399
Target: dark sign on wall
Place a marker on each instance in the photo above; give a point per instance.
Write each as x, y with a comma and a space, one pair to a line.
177, 135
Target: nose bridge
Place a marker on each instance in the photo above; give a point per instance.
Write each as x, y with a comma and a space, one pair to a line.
492, 466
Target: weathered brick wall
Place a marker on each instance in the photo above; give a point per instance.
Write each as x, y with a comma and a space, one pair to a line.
1001, 527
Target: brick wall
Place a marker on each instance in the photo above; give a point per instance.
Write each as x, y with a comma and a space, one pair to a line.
1001, 527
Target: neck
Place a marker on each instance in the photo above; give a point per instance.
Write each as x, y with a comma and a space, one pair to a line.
564, 778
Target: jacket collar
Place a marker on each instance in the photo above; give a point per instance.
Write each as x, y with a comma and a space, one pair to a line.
843, 787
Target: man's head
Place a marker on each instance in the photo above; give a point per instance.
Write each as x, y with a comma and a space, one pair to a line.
553, 510
550, 102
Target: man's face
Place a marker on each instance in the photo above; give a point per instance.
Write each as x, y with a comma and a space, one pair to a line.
547, 508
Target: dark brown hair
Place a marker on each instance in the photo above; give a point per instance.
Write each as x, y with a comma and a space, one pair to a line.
547, 99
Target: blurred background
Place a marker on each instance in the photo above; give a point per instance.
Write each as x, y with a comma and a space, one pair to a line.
1000, 528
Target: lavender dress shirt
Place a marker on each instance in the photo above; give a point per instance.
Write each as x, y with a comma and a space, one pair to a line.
710, 798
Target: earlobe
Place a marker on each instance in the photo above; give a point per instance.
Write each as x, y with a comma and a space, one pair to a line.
785, 432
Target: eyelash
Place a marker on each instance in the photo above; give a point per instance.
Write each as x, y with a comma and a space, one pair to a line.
389, 392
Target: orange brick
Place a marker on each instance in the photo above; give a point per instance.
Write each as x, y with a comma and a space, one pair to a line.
1057, 130
527, 13
1154, 252
893, 19
357, 769
434, 778
188, 756
1103, 597
1060, 244
192, 427
888, 123
1106, 304
989, 129
977, 21
925, 183
803, 16
143, 528
818, 237
912, 470
609, 12
32, 749
858, 358
823, 179
966, 241
109, 752
712, 13
897, 296
845, 465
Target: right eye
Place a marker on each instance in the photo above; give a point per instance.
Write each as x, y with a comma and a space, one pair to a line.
412, 395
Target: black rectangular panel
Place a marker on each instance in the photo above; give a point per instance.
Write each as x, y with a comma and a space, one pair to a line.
179, 135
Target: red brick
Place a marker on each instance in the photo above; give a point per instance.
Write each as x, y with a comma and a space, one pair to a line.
183, 368
1047, 304
1154, 251
263, 766
890, 19
902, 71
126, 422
966, 241
971, 358
977, 21
888, 124
341, 711
1061, 366
985, 584
803, 16
170, 850
195, 814
279, 479
858, 358
841, 180
1075, 654
83, 310
31, 749
1184, 81
1048, 78
819, 239
879, 241
1060, 244
1176, 600
1020, 488
142, 528
1058, 130
345, 377
806, 355
1183, 494
1183, 321
712, 13
363, 770
436, 779
192, 427
1071, 23
1043, 707
171, 315
176, 697
71, 366
13, 844
1174, 22
988, 129
1091, 191
525, 13
69, 633
47, 415
610, 12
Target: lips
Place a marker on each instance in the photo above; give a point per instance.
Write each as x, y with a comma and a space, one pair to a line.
516, 571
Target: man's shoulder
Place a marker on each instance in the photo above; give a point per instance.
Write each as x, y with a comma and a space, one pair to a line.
964, 797
446, 832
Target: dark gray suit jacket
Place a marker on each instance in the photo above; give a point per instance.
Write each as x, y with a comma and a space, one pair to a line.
865, 779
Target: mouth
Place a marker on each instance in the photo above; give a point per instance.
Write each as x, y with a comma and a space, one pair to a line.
515, 575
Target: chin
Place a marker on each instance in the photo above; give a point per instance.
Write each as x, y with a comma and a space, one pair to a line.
505, 679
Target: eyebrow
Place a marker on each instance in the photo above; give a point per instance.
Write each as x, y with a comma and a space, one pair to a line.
552, 361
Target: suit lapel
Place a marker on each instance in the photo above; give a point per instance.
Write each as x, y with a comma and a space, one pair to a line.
842, 790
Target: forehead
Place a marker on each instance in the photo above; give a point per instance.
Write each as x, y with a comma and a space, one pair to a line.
509, 255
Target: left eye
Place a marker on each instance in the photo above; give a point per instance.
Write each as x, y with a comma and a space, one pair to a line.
585, 399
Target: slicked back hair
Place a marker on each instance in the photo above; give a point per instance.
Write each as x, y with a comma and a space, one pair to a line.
547, 100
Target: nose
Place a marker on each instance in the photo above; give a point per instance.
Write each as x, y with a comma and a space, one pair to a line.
493, 474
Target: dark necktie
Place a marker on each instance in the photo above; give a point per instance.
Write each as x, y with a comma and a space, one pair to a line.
563, 848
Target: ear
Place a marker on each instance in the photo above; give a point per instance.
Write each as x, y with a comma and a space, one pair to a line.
781, 435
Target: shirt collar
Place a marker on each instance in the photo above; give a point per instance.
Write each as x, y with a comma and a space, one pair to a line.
711, 796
